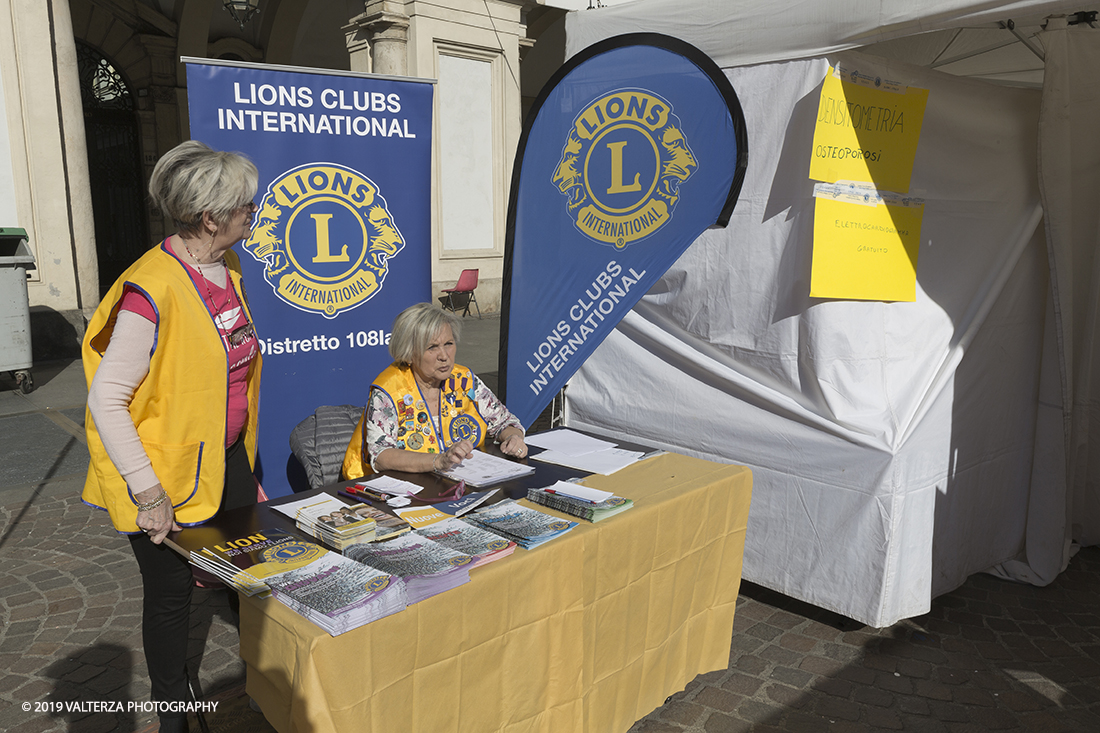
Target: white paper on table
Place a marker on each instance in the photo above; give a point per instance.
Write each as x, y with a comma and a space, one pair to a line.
603, 462
291, 508
569, 442
482, 469
393, 486
577, 491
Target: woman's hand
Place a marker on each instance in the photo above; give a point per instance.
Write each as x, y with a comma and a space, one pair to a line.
511, 443
158, 521
454, 455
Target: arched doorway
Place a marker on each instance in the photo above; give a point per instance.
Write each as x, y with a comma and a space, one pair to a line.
114, 164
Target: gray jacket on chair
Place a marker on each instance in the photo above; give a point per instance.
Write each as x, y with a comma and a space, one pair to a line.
319, 441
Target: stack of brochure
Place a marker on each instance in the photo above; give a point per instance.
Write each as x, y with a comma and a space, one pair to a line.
580, 501
339, 594
386, 525
330, 520
246, 563
426, 567
516, 523
483, 546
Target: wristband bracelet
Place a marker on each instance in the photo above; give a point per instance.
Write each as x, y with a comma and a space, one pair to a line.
154, 503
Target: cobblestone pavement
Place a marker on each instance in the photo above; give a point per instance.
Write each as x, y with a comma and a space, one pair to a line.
70, 593
992, 655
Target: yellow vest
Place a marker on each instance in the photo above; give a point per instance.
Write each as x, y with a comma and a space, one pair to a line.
459, 418
179, 408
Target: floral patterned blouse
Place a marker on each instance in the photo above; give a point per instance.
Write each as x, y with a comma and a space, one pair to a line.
382, 423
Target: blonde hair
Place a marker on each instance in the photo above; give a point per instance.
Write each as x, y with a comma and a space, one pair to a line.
192, 178
415, 327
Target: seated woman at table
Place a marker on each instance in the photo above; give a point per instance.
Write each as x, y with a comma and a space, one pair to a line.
424, 412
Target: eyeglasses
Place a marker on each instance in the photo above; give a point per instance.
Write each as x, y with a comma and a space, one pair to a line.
250, 206
240, 336
454, 493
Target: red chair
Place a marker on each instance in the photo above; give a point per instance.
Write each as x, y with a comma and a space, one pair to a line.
467, 283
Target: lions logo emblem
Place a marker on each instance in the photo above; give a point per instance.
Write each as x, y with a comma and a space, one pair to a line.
464, 427
291, 552
377, 584
622, 166
325, 236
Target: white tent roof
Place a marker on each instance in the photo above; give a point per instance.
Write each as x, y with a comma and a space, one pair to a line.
743, 32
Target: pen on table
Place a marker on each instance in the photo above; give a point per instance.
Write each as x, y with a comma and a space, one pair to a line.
372, 493
570, 496
360, 493
357, 490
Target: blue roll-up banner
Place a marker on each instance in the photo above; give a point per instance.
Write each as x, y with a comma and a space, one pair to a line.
632, 149
342, 241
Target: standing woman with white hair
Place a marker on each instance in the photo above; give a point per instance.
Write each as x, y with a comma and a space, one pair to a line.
173, 367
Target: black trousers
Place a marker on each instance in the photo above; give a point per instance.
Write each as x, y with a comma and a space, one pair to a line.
167, 582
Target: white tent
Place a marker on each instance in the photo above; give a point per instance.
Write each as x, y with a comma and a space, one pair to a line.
896, 447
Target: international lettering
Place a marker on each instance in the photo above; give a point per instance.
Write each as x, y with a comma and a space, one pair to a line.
621, 230
600, 299
615, 229
311, 123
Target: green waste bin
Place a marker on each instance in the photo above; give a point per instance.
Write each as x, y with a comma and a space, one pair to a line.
15, 312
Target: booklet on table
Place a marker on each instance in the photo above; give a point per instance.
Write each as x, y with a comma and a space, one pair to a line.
514, 522
426, 567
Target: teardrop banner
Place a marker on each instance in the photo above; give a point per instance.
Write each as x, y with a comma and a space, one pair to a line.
634, 147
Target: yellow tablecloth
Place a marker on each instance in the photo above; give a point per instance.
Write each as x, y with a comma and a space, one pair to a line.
589, 632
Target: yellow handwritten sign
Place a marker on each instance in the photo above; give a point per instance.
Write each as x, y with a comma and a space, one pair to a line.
865, 251
867, 130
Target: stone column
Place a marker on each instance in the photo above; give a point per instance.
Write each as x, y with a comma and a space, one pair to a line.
76, 161
378, 39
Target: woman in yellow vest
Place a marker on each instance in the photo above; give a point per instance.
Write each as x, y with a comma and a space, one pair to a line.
173, 368
424, 412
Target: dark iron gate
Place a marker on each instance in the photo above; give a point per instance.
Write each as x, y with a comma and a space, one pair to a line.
114, 164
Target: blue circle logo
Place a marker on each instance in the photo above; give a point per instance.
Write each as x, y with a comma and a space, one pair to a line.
465, 427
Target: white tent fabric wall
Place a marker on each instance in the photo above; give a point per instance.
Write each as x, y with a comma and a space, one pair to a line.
875, 445
1069, 160
897, 448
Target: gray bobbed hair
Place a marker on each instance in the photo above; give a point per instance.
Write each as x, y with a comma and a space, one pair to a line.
192, 178
415, 327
